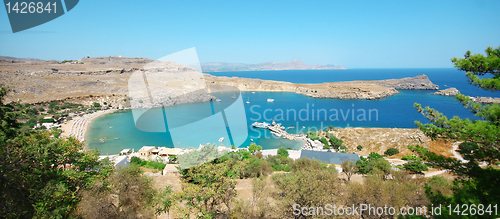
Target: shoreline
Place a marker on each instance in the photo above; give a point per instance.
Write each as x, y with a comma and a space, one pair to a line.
78, 127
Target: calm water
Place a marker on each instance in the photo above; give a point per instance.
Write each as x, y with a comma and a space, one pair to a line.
290, 109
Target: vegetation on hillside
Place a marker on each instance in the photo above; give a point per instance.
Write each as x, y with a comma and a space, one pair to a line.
475, 184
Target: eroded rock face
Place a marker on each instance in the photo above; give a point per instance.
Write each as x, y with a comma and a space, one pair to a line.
447, 92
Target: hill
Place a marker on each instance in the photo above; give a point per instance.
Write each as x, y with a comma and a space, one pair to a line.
265, 66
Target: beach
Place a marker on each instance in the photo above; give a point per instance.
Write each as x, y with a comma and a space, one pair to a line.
78, 126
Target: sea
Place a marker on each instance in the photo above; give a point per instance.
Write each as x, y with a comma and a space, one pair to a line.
189, 125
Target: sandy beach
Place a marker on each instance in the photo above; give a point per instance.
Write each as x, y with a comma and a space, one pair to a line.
78, 126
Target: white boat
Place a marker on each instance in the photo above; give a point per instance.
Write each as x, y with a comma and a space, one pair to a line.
248, 101
253, 92
218, 100
111, 127
263, 125
221, 139
270, 100
251, 139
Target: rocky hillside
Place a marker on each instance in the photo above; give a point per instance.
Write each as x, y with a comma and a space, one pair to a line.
378, 140
420, 82
107, 79
369, 90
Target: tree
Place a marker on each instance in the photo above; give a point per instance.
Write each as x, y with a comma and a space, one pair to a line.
311, 183
375, 162
254, 147
468, 147
360, 147
391, 151
410, 157
334, 141
474, 187
325, 142
207, 189
164, 201
415, 166
348, 168
283, 152
40, 175
125, 194
97, 104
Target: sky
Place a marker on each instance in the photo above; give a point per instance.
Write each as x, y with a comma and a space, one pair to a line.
354, 34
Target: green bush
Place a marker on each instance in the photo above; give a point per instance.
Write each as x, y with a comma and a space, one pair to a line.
325, 142
391, 151
334, 141
135, 160
283, 152
143, 163
468, 147
155, 165
312, 135
410, 157
360, 147
415, 166
97, 104
254, 147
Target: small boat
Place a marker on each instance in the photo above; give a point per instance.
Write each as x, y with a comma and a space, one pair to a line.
303, 127
263, 125
234, 96
111, 127
270, 100
117, 138
291, 127
248, 101
218, 100
102, 140
221, 139
251, 139
107, 122
253, 92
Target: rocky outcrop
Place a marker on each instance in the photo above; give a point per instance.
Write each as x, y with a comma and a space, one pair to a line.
447, 92
369, 90
486, 100
420, 82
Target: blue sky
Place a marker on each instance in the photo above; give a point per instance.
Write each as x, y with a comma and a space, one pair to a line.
355, 34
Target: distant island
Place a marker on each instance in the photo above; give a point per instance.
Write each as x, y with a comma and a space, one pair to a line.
265, 66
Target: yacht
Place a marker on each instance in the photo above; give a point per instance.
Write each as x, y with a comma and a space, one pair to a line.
248, 101
270, 100
263, 125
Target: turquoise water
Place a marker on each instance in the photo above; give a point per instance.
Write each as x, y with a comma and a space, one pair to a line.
290, 109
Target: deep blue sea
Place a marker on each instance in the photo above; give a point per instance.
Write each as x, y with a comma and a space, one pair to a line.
290, 109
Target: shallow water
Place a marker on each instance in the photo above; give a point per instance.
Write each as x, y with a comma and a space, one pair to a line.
290, 109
